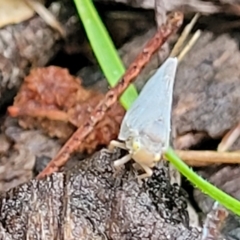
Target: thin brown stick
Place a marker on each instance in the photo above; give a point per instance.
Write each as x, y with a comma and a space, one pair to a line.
229, 139
46, 15
173, 23
50, 114
204, 158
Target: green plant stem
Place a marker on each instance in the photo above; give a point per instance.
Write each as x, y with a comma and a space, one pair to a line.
104, 49
207, 188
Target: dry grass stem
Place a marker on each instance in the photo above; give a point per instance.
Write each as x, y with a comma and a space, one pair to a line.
205, 158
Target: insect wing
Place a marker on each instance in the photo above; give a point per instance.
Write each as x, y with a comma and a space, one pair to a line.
153, 105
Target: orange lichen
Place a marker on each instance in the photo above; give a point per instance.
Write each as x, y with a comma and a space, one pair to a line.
53, 100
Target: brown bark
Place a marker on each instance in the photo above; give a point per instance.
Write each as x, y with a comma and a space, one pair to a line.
94, 201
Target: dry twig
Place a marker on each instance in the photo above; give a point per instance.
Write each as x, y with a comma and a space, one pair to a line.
205, 158
47, 16
229, 139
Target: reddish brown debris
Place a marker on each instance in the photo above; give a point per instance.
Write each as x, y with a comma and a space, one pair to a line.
214, 222
173, 23
53, 100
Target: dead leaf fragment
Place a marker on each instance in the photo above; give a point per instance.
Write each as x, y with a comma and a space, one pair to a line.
53, 100
14, 11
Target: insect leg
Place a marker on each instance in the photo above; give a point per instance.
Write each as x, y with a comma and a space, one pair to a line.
137, 166
114, 144
148, 171
122, 160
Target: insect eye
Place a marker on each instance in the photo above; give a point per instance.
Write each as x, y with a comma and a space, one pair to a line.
135, 146
157, 157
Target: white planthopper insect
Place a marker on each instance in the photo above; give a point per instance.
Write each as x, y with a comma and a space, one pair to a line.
145, 129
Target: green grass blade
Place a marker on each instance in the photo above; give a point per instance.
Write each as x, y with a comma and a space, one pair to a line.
207, 188
104, 49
